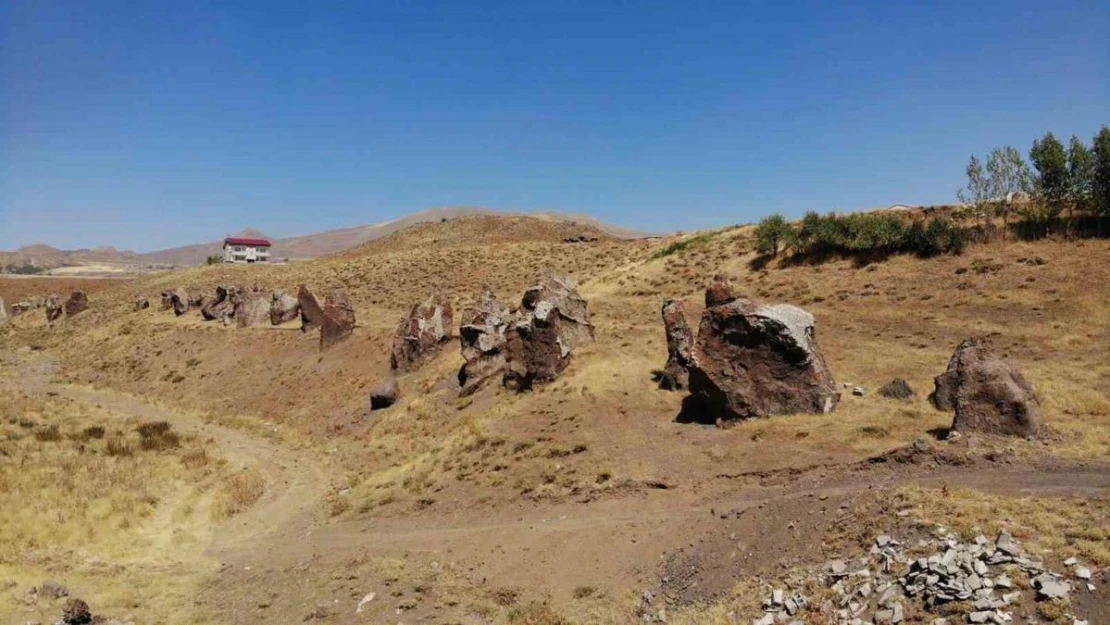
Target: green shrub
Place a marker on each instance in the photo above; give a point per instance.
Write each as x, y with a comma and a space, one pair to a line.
771, 233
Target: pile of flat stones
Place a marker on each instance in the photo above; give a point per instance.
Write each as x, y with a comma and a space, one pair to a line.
955, 571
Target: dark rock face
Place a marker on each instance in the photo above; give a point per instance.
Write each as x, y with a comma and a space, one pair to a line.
339, 319
720, 291
421, 333
384, 395
283, 308
312, 309
78, 302
755, 361
54, 307
541, 338
482, 335
680, 347
251, 308
141, 303
179, 301
896, 389
222, 306
988, 393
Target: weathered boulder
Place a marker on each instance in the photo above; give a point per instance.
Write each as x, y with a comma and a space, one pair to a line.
896, 389
179, 301
339, 319
251, 308
384, 395
78, 302
541, 339
76, 612
283, 308
680, 347
421, 333
220, 307
482, 335
141, 303
754, 361
312, 309
54, 307
988, 393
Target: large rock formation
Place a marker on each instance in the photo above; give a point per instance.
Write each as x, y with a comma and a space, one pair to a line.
541, 338
680, 347
283, 308
78, 302
421, 333
251, 308
54, 307
482, 335
312, 309
222, 306
179, 301
339, 319
988, 393
753, 361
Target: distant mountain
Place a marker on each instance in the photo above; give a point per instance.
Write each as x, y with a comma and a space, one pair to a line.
48, 257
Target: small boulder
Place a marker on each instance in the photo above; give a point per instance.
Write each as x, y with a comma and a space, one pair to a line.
312, 309
141, 303
421, 333
53, 590
78, 302
680, 345
220, 307
339, 319
179, 301
166, 302
896, 389
283, 308
76, 612
384, 395
482, 335
251, 308
754, 361
541, 339
988, 393
54, 307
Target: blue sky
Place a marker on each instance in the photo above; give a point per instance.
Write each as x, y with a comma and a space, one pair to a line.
151, 124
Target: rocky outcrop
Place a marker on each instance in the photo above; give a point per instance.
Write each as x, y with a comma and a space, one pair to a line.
339, 319
283, 308
421, 333
141, 303
680, 347
896, 389
251, 308
54, 307
482, 335
755, 361
312, 309
78, 302
222, 306
541, 339
384, 395
988, 393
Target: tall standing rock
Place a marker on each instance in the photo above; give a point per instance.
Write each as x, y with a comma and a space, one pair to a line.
421, 333
753, 361
482, 335
542, 337
283, 308
179, 301
680, 347
251, 308
312, 309
78, 302
54, 307
988, 393
220, 307
339, 319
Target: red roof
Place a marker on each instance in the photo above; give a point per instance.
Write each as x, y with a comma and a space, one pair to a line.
245, 241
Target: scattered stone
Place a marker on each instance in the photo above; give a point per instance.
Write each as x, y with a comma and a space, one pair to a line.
384, 395
423, 330
896, 389
362, 603
752, 360
283, 308
988, 393
54, 307
1048, 587
543, 335
680, 346
339, 319
857, 391
1083, 572
482, 335
312, 309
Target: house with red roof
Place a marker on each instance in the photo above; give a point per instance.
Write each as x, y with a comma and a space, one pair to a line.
246, 250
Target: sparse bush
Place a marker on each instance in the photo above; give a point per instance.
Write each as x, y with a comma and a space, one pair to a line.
118, 447
48, 434
679, 246
157, 436
95, 432
241, 491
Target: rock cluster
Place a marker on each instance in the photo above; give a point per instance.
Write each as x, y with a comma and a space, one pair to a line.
753, 361
54, 307
988, 393
78, 302
680, 347
422, 331
339, 319
482, 336
283, 308
552, 322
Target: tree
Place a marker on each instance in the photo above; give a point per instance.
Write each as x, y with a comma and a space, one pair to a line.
1081, 171
1100, 181
1051, 161
1008, 176
978, 189
771, 232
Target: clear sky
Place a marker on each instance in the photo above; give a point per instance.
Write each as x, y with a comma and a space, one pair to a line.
148, 124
